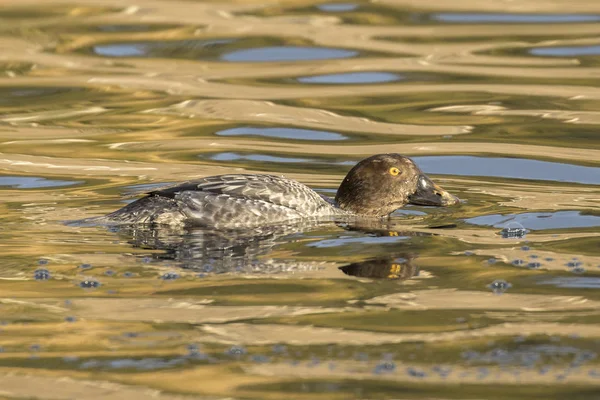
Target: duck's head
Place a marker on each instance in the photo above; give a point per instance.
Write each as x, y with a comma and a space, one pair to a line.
379, 185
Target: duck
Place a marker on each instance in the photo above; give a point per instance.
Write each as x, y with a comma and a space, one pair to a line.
374, 188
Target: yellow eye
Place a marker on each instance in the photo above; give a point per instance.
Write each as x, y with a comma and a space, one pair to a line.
394, 171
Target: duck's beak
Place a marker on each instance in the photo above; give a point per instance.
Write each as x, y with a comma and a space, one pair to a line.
430, 194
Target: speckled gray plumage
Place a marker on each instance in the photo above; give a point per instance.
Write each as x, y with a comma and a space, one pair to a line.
229, 201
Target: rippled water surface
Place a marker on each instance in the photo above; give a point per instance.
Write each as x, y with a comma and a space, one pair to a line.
497, 298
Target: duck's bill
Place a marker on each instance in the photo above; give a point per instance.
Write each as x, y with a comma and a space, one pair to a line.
430, 194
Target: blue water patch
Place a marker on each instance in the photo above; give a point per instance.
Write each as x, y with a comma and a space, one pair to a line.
566, 51
352, 78
256, 157
517, 168
145, 364
282, 133
539, 220
189, 48
344, 241
475, 18
31, 182
404, 212
120, 50
287, 53
337, 7
579, 282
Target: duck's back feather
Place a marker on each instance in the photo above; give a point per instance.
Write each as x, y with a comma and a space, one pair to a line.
238, 200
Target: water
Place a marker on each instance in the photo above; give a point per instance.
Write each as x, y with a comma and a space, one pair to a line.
496, 298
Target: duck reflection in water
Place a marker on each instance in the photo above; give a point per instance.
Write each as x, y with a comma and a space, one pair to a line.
246, 251
400, 267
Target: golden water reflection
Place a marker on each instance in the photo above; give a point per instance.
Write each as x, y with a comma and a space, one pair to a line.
101, 100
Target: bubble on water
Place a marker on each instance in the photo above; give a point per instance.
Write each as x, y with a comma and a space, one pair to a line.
279, 349
236, 351
415, 373
482, 372
260, 359
314, 361
169, 276
499, 286
41, 274
89, 284
544, 370
513, 230
385, 367
442, 370
192, 349
573, 264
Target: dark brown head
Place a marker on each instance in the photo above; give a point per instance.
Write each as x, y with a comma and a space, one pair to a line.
379, 185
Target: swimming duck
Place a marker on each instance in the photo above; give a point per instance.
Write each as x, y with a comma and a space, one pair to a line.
374, 188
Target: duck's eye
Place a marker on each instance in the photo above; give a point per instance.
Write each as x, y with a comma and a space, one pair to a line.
394, 171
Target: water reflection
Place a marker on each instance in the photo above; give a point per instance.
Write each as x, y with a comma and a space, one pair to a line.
337, 7
481, 18
517, 168
179, 49
392, 267
539, 221
352, 78
288, 53
111, 98
282, 133
571, 51
210, 251
31, 182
